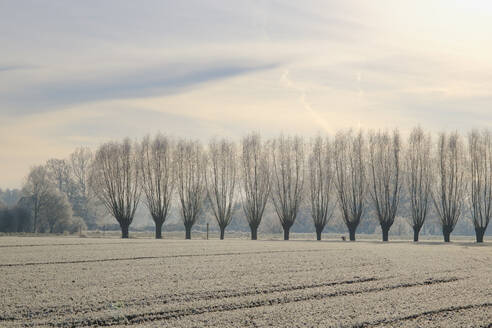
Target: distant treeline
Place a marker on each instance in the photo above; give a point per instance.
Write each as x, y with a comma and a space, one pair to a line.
362, 181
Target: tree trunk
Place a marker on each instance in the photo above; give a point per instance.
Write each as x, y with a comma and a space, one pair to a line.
416, 231
385, 233
222, 231
188, 232
158, 229
352, 234
254, 233
446, 232
318, 233
124, 230
35, 223
286, 233
479, 232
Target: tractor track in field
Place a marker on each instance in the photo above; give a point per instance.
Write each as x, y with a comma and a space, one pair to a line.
184, 298
69, 244
383, 322
297, 270
138, 318
136, 258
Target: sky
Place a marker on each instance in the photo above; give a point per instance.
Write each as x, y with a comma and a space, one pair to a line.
80, 73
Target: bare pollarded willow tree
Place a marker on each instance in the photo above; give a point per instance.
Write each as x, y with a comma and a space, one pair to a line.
385, 177
418, 177
157, 169
191, 162
115, 180
255, 177
221, 177
450, 188
350, 177
288, 173
418, 173
321, 172
480, 148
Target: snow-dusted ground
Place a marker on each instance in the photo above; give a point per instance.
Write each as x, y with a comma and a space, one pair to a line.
76, 282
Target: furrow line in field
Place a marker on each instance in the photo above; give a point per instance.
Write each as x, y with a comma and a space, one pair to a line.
296, 270
185, 298
180, 313
422, 314
160, 257
72, 244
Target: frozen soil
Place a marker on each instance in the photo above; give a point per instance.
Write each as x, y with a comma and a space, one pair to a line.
71, 282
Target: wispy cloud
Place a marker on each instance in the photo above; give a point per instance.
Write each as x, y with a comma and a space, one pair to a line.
150, 81
14, 68
317, 118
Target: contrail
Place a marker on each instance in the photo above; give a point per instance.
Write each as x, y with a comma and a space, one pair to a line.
317, 118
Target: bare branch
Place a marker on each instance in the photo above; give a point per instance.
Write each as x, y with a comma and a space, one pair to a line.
418, 173
255, 180
480, 151
37, 189
157, 171
115, 180
191, 163
350, 182
321, 178
221, 181
385, 181
287, 179
451, 185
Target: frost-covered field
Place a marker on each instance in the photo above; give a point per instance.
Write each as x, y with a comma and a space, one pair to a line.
75, 282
